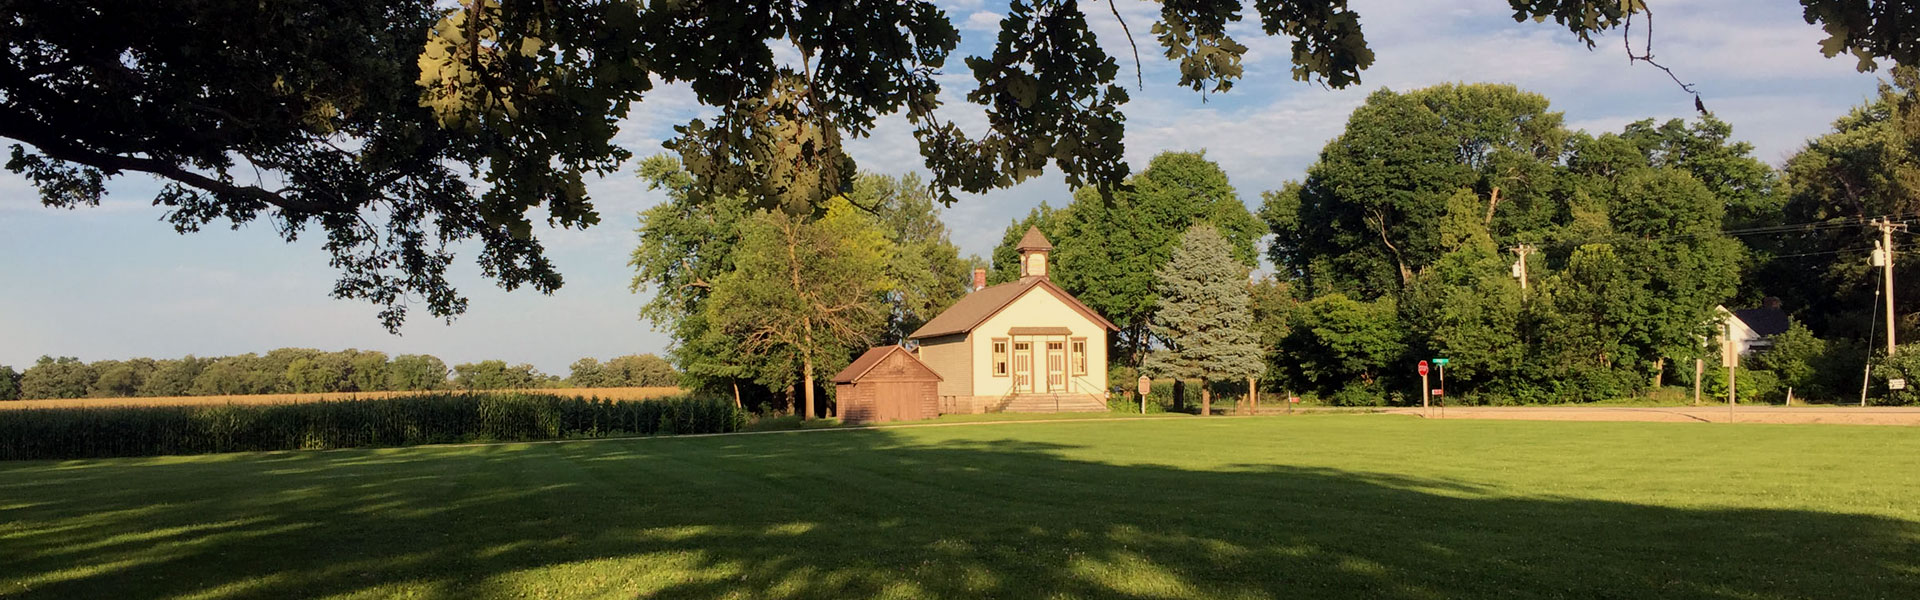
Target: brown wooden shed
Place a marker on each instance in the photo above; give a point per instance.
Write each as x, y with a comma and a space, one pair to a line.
887, 383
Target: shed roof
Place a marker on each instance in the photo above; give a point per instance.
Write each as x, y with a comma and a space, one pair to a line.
872, 358
975, 308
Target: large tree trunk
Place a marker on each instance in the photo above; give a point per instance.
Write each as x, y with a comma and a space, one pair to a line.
1179, 394
1206, 398
806, 360
1659, 373
736, 394
1253, 397
786, 400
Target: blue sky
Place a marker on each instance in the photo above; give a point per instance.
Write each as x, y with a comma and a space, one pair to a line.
115, 282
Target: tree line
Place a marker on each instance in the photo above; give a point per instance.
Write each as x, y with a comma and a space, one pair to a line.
1549, 265
309, 371
1463, 221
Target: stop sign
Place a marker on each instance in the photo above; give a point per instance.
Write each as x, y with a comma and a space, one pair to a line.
1423, 367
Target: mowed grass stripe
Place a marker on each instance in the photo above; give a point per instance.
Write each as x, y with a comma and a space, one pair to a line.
1322, 506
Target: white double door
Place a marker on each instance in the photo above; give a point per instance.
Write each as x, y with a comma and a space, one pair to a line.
1027, 353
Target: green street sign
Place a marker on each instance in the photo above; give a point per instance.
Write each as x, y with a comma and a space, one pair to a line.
1439, 361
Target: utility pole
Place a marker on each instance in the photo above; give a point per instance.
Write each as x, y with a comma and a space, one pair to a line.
1520, 267
1883, 255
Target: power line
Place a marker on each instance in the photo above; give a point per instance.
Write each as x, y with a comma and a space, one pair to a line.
1824, 253
1811, 227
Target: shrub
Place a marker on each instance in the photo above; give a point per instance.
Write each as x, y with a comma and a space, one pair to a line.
1357, 394
1753, 385
59, 433
1904, 364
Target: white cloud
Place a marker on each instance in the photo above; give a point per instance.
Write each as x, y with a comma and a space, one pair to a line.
984, 20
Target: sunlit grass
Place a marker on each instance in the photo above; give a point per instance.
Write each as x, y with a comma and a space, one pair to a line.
1342, 506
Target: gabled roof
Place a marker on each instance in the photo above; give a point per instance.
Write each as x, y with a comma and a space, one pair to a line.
975, 308
1034, 240
1764, 321
872, 358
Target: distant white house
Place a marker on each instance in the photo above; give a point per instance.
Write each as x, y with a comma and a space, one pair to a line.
1752, 329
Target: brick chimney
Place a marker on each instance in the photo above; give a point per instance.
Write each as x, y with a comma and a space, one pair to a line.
979, 279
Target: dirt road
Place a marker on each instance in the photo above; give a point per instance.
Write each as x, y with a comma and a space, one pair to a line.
1871, 415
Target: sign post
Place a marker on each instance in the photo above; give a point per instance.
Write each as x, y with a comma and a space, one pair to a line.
1146, 385
1424, 387
1441, 392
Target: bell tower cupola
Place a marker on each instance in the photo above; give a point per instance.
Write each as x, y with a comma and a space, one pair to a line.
1034, 249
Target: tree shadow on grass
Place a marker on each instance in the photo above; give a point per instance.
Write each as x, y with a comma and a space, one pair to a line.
876, 514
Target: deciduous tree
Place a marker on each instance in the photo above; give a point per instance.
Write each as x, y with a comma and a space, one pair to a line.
120, 378
926, 269
416, 372
173, 377
9, 383
641, 370
1867, 167
1368, 216
497, 375
1795, 357
813, 288
1586, 315
686, 244
1466, 306
63, 377
587, 373
1340, 348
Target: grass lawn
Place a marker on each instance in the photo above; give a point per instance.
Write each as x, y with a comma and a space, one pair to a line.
1356, 506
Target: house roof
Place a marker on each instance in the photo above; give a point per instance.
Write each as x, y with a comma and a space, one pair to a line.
975, 308
1764, 321
872, 358
1034, 240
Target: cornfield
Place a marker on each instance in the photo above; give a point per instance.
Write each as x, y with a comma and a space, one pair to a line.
616, 393
403, 420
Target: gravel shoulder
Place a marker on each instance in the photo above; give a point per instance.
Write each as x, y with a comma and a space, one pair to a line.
1871, 415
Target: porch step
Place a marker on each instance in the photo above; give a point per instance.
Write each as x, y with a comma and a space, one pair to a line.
1052, 403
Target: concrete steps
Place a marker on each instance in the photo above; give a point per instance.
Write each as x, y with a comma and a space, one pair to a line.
1053, 403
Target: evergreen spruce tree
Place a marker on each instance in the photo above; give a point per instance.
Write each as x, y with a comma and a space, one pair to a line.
1204, 316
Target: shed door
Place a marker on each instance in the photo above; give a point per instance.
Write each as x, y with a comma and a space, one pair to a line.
890, 400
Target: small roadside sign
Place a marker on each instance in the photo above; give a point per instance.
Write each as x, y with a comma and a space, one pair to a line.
1146, 385
1896, 384
1436, 391
1440, 361
1423, 367
1293, 399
